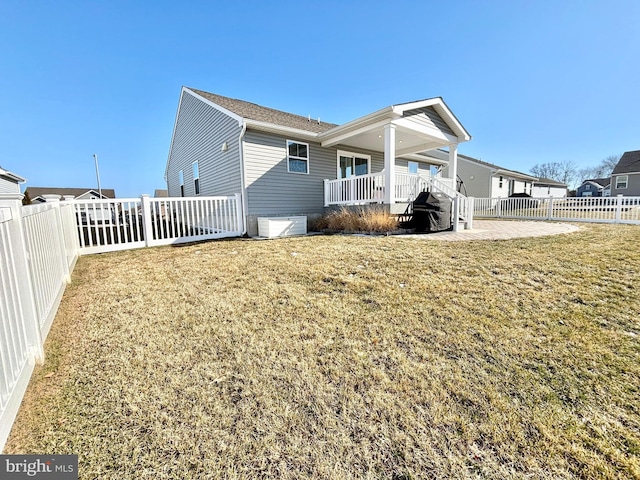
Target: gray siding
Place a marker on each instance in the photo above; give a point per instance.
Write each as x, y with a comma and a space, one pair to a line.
199, 134
8, 186
480, 185
273, 191
428, 116
633, 185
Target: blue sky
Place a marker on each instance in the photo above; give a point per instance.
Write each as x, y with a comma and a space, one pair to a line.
532, 81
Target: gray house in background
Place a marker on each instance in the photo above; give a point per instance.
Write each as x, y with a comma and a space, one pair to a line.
284, 164
625, 179
594, 187
10, 182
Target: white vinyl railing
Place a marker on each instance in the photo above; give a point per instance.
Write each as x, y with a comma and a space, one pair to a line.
578, 209
125, 223
409, 185
39, 246
38, 249
355, 190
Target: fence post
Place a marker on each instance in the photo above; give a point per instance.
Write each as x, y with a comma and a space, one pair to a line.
550, 210
326, 192
471, 206
456, 212
239, 214
619, 208
26, 301
147, 226
54, 200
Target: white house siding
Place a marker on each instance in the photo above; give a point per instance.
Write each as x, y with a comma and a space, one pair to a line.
633, 185
548, 191
273, 191
8, 186
402, 166
201, 130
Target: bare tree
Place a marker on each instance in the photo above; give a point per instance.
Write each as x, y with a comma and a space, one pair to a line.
602, 170
565, 171
609, 163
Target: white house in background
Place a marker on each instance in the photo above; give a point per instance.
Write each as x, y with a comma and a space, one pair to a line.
10, 182
481, 179
545, 187
287, 165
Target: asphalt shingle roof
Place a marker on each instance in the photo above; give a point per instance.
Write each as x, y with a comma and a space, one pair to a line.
629, 163
256, 112
35, 192
603, 182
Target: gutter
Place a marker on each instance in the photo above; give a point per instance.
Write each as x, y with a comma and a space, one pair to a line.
243, 184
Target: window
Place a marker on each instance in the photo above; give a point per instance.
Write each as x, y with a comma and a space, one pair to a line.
196, 178
500, 184
412, 167
297, 157
352, 164
587, 186
181, 179
622, 181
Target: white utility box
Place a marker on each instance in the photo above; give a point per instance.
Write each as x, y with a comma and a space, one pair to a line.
271, 227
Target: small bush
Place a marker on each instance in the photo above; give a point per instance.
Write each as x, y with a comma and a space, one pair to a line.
366, 220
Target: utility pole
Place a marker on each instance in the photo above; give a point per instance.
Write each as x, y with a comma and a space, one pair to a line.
95, 157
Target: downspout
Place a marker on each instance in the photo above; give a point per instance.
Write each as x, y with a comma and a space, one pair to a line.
243, 184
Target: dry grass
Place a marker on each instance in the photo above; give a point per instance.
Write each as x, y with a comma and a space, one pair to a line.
357, 220
347, 357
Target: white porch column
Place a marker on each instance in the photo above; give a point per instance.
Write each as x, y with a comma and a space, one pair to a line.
390, 164
453, 164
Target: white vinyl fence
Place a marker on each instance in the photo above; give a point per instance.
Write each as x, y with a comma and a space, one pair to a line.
39, 246
575, 209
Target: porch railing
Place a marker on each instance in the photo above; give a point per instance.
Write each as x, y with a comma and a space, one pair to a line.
355, 190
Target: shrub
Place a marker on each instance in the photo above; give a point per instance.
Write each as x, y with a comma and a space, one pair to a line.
374, 219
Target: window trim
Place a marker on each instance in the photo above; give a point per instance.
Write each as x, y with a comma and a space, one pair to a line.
181, 182
295, 157
196, 177
409, 164
626, 182
353, 155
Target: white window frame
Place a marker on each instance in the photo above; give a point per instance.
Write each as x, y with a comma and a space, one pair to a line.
353, 155
412, 163
181, 182
294, 157
618, 182
196, 177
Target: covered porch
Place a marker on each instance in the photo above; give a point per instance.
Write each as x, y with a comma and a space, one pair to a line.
405, 134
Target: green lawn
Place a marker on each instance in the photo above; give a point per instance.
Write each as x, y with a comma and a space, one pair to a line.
347, 357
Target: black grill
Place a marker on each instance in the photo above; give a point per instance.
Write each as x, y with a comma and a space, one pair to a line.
431, 212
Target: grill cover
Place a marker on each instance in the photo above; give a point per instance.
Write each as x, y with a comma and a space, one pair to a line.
431, 212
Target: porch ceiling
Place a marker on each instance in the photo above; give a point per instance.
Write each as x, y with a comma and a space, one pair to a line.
408, 139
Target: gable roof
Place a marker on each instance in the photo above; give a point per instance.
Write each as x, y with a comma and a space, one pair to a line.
259, 113
35, 192
11, 176
497, 169
628, 163
601, 182
548, 182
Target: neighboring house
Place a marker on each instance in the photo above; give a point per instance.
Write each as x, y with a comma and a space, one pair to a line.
37, 193
160, 193
485, 180
594, 187
625, 179
10, 182
284, 164
545, 187
87, 213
